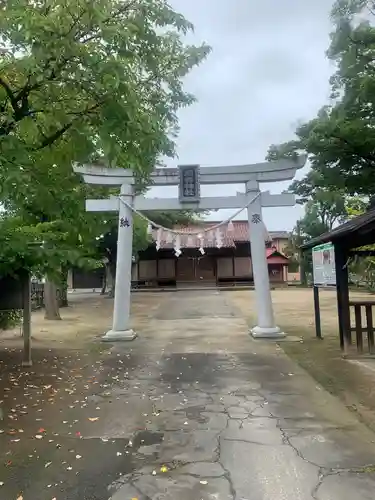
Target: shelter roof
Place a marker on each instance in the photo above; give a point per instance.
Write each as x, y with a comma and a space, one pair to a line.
357, 232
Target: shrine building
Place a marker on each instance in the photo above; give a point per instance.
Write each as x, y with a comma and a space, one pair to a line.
229, 265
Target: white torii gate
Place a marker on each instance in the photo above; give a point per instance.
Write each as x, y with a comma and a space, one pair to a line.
250, 175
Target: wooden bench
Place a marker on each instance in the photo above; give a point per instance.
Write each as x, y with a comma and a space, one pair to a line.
359, 329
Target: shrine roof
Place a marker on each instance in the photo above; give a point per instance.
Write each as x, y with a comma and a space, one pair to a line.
276, 257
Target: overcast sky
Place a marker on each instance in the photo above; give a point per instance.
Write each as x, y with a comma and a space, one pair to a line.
266, 73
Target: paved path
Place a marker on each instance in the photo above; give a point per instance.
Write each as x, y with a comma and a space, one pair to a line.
234, 419
194, 409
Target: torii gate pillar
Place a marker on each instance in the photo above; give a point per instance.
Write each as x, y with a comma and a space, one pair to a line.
266, 327
121, 310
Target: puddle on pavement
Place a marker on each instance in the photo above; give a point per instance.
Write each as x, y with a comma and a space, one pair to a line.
195, 413
147, 438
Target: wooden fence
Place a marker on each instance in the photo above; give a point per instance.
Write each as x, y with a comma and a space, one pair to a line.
37, 295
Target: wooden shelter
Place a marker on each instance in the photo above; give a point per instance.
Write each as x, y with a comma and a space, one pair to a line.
349, 240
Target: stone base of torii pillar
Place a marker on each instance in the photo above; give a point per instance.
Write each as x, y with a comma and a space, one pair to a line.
259, 332
113, 336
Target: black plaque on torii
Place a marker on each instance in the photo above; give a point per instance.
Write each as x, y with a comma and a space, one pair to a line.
189, 184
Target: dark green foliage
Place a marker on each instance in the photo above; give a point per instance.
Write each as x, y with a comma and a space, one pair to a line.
10, 319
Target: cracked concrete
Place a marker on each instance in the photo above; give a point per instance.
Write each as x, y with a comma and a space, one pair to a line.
346, 486
240, 422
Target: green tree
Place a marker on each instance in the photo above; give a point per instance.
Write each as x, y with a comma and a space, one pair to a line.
323, 209
82, 80
340, 141
104, 74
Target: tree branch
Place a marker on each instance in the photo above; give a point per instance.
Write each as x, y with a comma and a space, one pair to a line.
22, 112
81, 38
6, 128
48, 140
7, 89
10, 94
56, 135
19, 100
24, 92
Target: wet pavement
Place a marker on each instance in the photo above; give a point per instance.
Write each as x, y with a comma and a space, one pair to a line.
193, 409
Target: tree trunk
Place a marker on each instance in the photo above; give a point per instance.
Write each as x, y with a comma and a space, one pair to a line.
112, 276
302, 268
104, 285
63, 288
51, 303
106, 279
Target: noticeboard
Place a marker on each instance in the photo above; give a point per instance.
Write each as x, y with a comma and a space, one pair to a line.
12, 291
324, 269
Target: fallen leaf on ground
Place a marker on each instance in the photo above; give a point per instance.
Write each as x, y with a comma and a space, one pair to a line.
163, 468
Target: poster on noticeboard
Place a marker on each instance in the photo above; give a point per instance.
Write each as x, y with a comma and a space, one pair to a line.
324, 270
